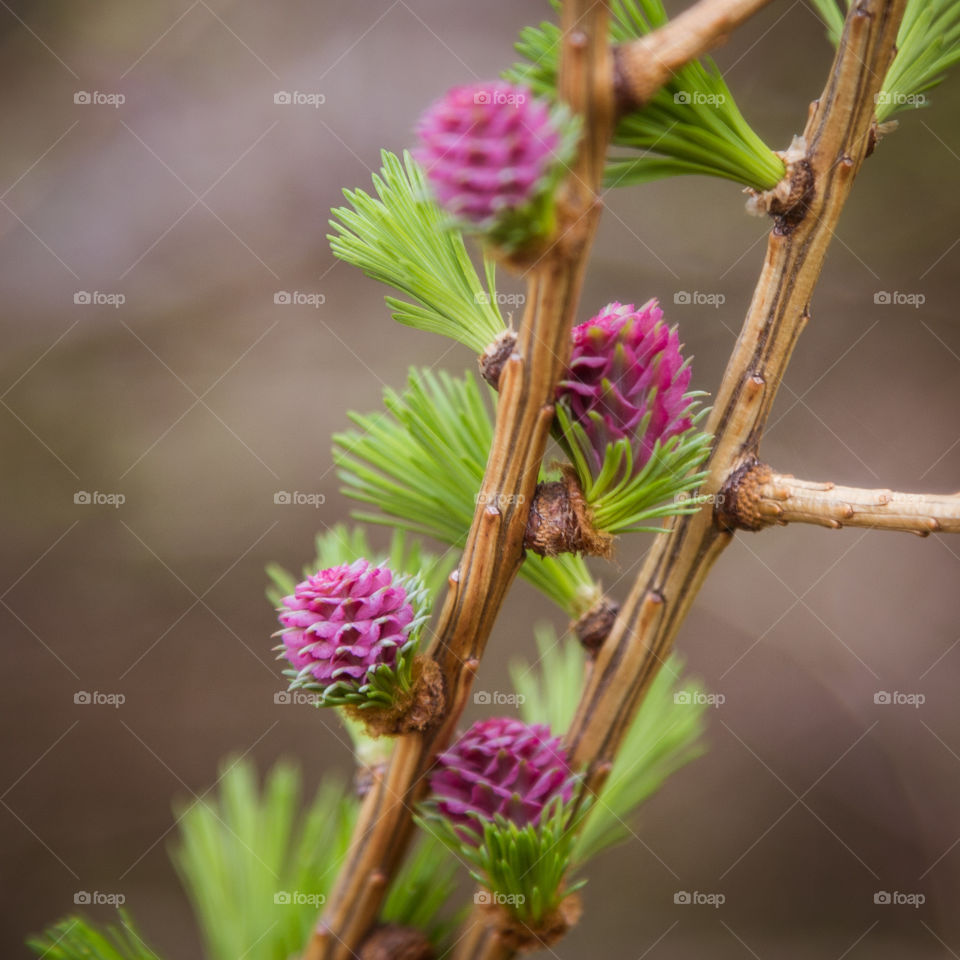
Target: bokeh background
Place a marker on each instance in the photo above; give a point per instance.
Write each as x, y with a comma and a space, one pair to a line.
198, 398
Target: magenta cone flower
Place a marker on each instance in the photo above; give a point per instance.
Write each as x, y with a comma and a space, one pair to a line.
489, 149
500, 766
342, 622
627, 378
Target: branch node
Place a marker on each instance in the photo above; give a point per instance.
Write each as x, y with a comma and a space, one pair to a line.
560, 521
754, 385
738, 505
521, 937
420, 709
593, 627
393, 942
790, 199
495, 355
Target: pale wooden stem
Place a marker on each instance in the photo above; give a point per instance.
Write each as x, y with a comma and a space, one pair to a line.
836, 140
494, 547
760, 497
646, 64
482, 940
586, 83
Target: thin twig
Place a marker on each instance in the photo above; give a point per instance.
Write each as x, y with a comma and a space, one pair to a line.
494, 547
755, 497
646, 64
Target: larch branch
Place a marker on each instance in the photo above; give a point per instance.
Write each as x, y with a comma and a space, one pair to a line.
494, 547
836, 139
757, 497
646, 64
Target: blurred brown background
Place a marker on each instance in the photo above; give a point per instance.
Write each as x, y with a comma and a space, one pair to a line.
198, 398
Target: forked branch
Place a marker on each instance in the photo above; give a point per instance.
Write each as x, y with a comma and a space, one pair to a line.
836, 139
646, 64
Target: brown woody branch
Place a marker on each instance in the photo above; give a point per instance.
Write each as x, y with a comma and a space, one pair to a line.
836, 139
494, 547
756, 497
643, 66
485, 939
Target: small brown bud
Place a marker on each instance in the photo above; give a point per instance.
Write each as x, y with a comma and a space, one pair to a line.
560, 521
496, 354
393, 942
593, 627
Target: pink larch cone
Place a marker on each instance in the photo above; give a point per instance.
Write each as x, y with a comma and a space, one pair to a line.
342, 622
627, 379
488, 149
500, 766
